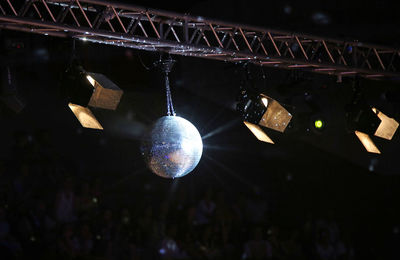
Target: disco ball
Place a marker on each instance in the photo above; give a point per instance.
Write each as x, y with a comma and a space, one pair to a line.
172, 148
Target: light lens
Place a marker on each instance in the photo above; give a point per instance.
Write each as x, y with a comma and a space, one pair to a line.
90, 79
265, 101
318, 123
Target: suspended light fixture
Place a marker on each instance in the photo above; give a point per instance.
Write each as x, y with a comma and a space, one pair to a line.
386, 129
106, 94
261, 110
275, 116
88, 89
380, 125
388, 126
365, 120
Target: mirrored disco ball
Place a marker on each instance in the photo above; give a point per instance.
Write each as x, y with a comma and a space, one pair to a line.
172, 148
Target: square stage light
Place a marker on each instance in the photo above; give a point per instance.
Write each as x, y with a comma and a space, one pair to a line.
106, 94
388, 126
265, 111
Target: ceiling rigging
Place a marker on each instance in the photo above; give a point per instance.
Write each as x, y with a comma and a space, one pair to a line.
131, 26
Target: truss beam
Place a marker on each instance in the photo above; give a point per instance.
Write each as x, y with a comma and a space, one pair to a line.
131, 26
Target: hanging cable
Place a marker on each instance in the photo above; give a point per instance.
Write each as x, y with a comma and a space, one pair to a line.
141, 62
167, 90
170, 106
165, 64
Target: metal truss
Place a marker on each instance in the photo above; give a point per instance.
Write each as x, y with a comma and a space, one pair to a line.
108, 22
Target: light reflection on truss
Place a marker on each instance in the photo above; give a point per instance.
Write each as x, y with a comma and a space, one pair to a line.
136, 27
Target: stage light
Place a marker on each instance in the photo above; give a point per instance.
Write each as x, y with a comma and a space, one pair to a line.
258, 132
367, 142
388, 126
261, 110
276, 116
106, 94
92, 89
366, 121
319, 124
265, 111
378, 124
362, 118
88, 89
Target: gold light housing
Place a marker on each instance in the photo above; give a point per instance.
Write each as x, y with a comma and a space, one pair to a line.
276, 116
367, 142
106, 94
85, 116
258, 132
388, 126
91, 90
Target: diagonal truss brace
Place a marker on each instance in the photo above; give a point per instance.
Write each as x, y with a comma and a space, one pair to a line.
109, 22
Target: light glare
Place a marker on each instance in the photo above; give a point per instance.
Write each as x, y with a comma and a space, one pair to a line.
318, 124
265, 101
91, 80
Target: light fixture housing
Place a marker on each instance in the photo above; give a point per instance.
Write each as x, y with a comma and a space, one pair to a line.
388, 126
88, 89
261, 110
360, 117
92, 89
106, 94
265, 111
367, 121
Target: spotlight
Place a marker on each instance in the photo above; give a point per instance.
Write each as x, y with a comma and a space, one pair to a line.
105, 94
362, 118
90, 89
276, 116
264, 111
366, 121
319, 124
388, 126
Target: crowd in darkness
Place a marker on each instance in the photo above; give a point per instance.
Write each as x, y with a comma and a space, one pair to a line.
48, 212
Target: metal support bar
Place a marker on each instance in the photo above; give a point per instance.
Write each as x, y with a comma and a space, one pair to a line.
198, 37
